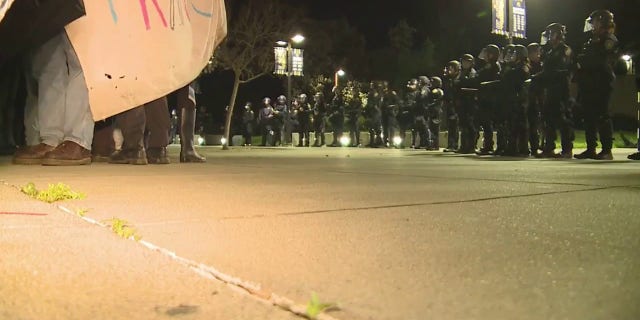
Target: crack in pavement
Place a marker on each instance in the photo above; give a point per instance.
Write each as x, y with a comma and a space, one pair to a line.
408, 205
251, 289
481, 179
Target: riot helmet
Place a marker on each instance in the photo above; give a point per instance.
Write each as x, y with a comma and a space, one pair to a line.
247, 106
282, 99
412, 84
266, 101
534, 52
302, 98
436, 82
599, 21
507, 53
520, 54
490, 53
424, 81
553, 32
467, 61
452, 69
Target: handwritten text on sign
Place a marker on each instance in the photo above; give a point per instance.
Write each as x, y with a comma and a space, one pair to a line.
180, 5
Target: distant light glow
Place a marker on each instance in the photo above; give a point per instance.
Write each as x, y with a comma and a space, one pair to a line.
626, 57
397, 141
297, 38
200, 141
281, 43
341, 73
223, 141
345, 141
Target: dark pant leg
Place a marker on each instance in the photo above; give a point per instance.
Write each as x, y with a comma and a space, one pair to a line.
158, 123
132, 124
533, 117
596, 105
486, 122
103, 143
453, 133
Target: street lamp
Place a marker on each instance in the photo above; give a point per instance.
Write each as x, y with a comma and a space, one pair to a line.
628, 61
298, 38
339, 73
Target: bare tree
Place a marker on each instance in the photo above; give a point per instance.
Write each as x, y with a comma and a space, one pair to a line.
254, 27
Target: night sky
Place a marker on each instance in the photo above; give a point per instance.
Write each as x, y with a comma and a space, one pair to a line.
457, 26
450, 19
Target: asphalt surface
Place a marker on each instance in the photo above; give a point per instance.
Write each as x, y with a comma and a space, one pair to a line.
384, 234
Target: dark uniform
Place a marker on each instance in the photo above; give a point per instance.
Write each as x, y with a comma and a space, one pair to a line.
636, 156
406, 114
450, 88
515, 87
466, 104
353, 112
421, 118
265, 120
487, 101
374, 116
336, 117
390, 110
554, 78
281, 124
247, 124
434, 113
304, 121
319, 114
536, 99
595, 79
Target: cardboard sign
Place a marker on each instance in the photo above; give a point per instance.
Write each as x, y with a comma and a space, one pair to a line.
135, 51
4, 6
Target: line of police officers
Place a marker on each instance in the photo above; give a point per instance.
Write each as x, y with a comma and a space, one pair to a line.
386, 114
521, 93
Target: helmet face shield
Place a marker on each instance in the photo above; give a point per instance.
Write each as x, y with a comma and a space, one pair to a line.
483, 54
544, 38
588, 25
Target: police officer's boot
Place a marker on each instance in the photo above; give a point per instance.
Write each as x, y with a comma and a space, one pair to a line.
587, 154
635, 156
187, 127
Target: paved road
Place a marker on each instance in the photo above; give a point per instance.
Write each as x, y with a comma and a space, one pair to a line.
386, 234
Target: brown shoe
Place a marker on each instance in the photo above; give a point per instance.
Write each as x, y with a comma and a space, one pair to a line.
137, 156
68, 153
31, 154
157, 156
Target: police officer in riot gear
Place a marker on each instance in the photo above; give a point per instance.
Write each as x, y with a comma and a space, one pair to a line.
451, 73
421, 118
374, 115
515, 90
466, 105
487, 101
636, 156
281, 124
554, 78
265, 120
536, 98
247, 123
406, 114
595, 78
319, 113
336, 116
390, 109
353, 111
434, 113
304, 120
